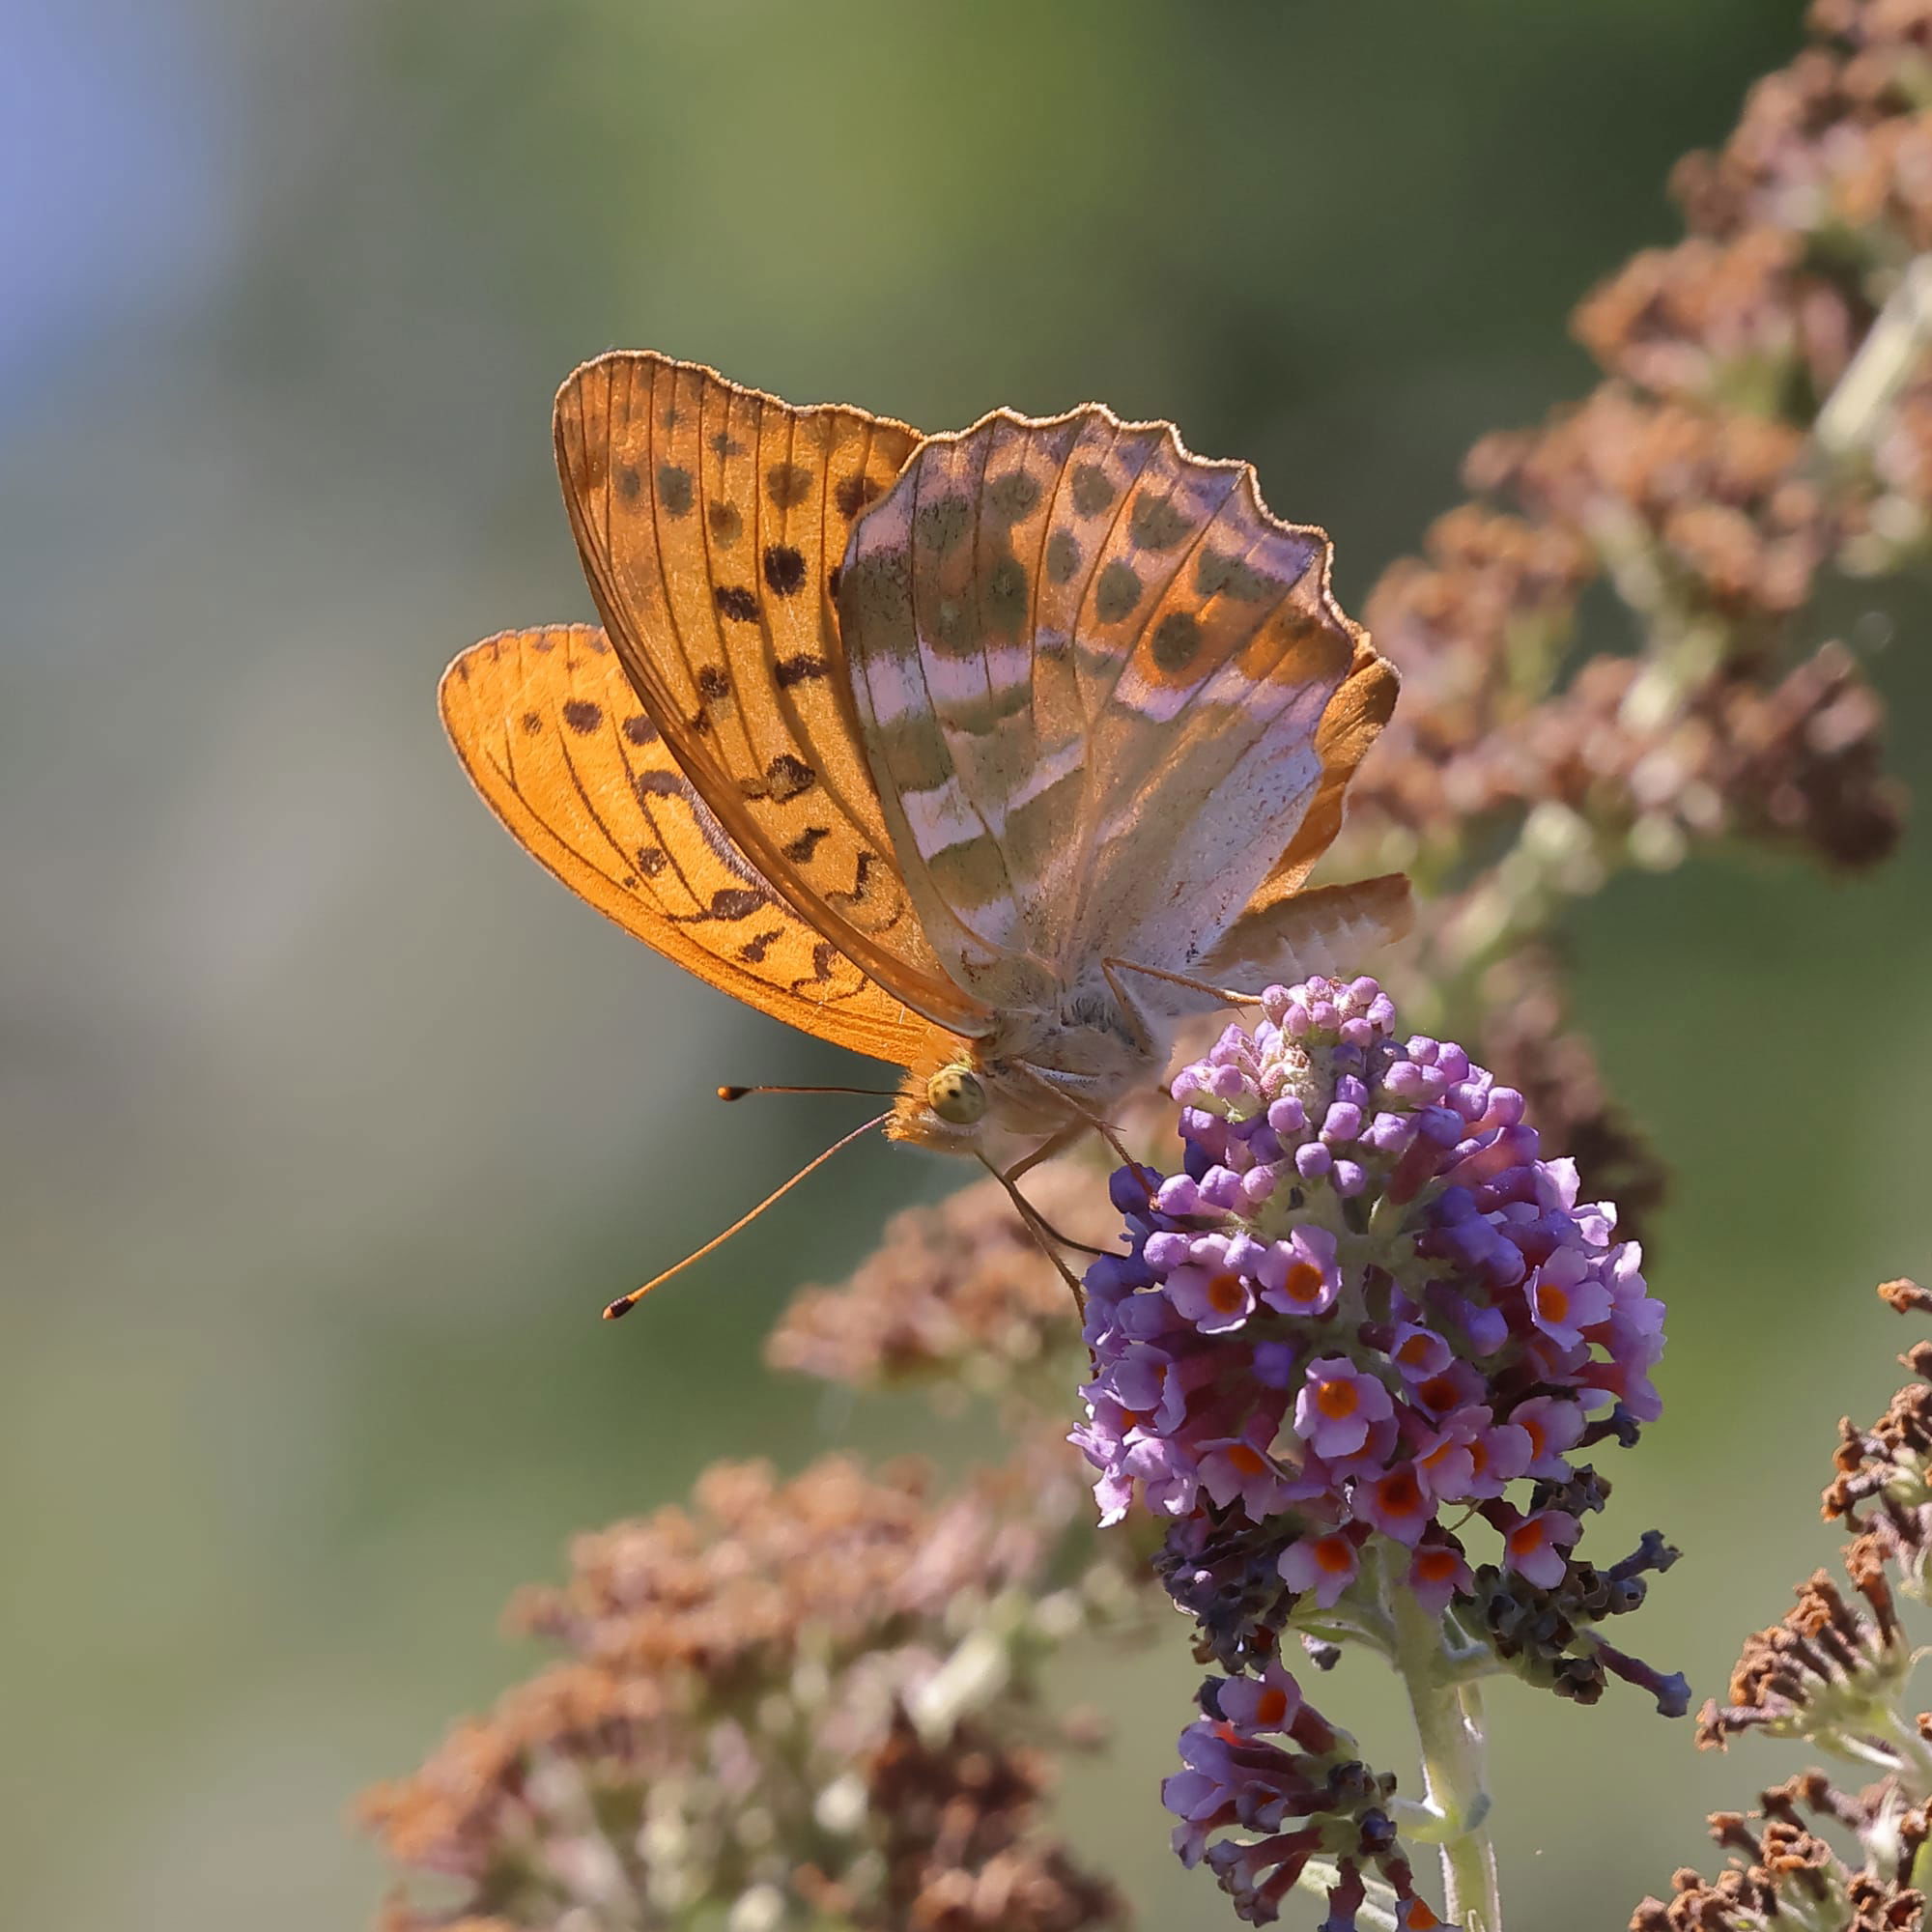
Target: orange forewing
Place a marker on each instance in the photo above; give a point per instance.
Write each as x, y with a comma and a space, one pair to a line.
551, 734
711, 520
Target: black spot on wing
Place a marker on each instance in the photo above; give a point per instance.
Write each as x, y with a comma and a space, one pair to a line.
786, 776
674, 490
800, 668
1177, 638
736, 602
1219, 575
876, 590
1091, 491
1011, 496
1117, 593
727, 902
822, 956
940, 523
787, 484
1007, 594
1155, 522
785, 569
640, 730
713, 684
581, 715
725, 522
853, 493
862, 879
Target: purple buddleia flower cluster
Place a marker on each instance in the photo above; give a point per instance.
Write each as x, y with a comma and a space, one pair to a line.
1367, 1318
1306, 1797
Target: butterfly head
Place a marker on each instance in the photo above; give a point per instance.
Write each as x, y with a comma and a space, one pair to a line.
984, 1098
945, 1101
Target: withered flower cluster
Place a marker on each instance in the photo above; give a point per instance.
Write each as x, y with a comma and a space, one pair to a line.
1766, 418
809, 1703
1834, 1672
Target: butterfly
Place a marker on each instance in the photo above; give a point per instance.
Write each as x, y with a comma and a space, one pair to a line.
993, 754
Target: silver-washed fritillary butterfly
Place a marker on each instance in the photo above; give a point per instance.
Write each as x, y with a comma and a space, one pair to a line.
992, 755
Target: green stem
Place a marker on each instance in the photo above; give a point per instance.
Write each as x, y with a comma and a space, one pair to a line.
1455, 1787
1449, 1725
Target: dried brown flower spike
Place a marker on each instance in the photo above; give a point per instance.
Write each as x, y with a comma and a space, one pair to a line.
1834, 1672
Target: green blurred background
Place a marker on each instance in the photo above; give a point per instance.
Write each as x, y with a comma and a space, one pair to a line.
329, 1123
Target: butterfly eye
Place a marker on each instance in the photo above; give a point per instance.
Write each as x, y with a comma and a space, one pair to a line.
955, 1093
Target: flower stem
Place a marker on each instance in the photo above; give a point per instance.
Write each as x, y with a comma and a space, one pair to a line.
1449, 1724
1890, 354
1455, 1788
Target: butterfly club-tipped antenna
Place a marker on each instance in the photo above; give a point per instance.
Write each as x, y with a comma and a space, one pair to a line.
744, 1093
624, 1303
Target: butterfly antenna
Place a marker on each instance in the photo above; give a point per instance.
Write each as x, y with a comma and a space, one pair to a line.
870, 1092
624, 1303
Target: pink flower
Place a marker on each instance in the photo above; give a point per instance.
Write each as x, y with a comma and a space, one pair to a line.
1534, 1549
1242, 1467
1419, 1352
1300, 1276
1269, 1702
1456, 1386
1325, 1564
1565, 1298
1553, 1426
1338, 1405
1446, 1462
1439, 1572
1501, 1454
1142, 1380
1395, 1503
1167, 1475
1216, 1300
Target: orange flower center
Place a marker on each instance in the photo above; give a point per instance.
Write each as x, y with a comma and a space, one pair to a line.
1400, 1493
1553, 1302
1270, 1708
1303, 1283
1249, 1461
1434, 1565
1338, 1400
1225, 1293
1335, 1554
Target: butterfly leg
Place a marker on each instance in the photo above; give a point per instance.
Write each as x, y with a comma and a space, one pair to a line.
1046, 1150
1085, 1121
1037, 1225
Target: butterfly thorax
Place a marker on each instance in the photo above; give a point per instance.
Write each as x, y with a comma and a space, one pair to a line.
1035, 1077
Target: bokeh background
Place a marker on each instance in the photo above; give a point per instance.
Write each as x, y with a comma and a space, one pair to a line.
329, 1123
